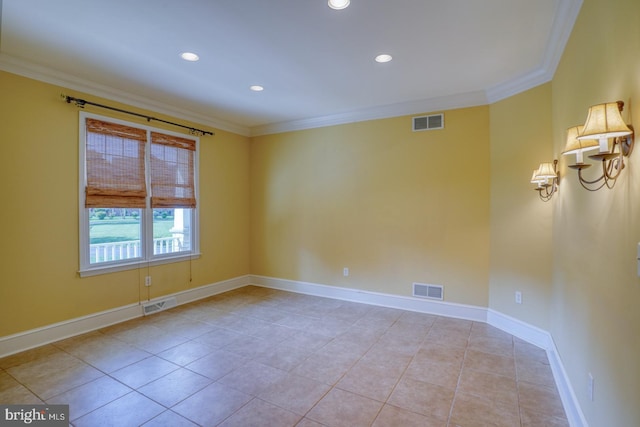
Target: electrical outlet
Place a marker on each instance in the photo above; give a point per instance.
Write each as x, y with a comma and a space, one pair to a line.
518, 297
345, 272
147, 281
590, 387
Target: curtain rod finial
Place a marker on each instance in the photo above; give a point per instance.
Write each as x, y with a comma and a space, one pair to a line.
79, 102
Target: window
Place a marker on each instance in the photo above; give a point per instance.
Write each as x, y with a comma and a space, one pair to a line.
138, 195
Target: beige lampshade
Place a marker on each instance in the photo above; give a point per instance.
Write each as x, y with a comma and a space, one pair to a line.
604, 121
575, 145
535, 179
546, 171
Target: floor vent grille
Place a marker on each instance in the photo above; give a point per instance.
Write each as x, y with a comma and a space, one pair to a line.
428, 291
154, 307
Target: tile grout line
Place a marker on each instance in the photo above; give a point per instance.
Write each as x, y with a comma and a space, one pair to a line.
455, 392
342, 376
515, 364
237, 309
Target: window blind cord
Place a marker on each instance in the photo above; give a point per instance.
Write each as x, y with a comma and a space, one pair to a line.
81, 103
145, 283
139, 291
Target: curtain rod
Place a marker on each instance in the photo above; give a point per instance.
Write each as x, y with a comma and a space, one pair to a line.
81, 103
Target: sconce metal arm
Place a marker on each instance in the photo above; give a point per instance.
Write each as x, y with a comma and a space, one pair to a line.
612, 165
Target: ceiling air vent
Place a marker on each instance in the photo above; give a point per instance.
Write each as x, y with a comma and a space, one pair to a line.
428, 291
154, 307
434, 121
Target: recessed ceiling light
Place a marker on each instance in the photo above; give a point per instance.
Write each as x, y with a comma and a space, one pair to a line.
189, 56
256, 88
339, 4
384, 58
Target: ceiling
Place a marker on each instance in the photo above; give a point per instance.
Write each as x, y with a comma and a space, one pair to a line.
316, 64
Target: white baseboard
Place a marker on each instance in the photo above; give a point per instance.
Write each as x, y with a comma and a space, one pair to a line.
459, 311
206, 291
16, 343
513, 326
36, 337
520, 329
543, 339
47, 334
569, 400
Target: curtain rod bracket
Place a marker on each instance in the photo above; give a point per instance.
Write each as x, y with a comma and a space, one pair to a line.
81, 104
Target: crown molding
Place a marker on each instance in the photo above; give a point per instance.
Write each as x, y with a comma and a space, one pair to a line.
565, 17
30, 70
463, 100
518, 85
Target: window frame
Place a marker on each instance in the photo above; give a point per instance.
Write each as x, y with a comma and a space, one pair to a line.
147, 258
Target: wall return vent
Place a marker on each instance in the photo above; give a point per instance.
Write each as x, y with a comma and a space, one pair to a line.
434, 121
428, 291
155, 306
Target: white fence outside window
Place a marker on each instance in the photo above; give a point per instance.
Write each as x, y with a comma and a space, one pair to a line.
116, 251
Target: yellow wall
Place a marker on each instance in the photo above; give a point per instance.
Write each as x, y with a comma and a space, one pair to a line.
595, 319
39, 215
521, 224
392, 205
449, 207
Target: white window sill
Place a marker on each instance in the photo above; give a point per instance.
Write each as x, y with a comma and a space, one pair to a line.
112, 268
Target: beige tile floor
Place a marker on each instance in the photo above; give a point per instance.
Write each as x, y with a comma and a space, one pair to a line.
261, 357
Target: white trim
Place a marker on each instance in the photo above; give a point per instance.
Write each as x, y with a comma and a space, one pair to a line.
147, 256
30, 70
47, 334
450, 102
574, 413
206, 291
520, 329
112, 268
518, 85
543, 339
564, 19
22, 341
440, 308
36, 337
515, 327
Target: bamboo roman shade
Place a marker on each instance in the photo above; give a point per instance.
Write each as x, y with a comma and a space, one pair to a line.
115, 165
172, 171
115, 168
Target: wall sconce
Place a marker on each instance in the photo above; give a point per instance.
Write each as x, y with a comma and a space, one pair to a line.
603, 122
546, 178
